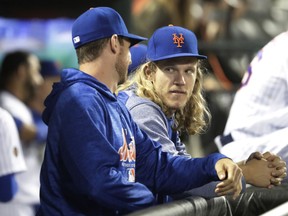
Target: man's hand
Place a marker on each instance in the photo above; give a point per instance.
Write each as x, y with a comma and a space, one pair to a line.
263, 170
230, 175
280, 169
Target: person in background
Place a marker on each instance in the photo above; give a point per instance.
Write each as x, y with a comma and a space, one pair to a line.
258, 117
50, 72
19, 80
164, 97
11, 159
97, 161
138, 57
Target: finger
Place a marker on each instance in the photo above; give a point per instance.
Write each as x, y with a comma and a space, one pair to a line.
223, 190
229, 191
221, 174
270, 186
282, 164
267, 154
270, 156
255, 155
239, 188
278, 163
258, 155
237, 193
276, 181
231, 183
279, 172
225, 185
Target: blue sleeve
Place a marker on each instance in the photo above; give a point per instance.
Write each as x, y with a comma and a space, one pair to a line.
8, 187
41, 127
165, 173
41, 133
19, 123
172, 174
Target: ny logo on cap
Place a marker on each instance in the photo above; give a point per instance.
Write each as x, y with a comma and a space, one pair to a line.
178, 40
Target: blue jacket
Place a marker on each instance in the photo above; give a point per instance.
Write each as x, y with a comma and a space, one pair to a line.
98, 162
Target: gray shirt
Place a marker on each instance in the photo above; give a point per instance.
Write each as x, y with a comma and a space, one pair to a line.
153, 121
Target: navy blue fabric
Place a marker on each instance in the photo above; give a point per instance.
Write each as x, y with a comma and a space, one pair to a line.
226, 139
49, 68
8, 187
18, 123
41, 127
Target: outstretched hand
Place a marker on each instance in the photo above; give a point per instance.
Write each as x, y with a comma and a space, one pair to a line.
230, 175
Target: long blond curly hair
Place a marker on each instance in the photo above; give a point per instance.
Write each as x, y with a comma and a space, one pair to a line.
193, 118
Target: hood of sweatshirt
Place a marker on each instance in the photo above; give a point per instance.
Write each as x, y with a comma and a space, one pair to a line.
69, 77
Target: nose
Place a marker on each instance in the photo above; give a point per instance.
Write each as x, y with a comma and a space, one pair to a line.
179, 78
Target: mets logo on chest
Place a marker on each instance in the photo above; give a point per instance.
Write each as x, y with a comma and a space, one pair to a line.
178, 40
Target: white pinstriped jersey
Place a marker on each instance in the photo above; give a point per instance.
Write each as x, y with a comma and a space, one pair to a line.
28, 182
258, 119
11, 156
261, 105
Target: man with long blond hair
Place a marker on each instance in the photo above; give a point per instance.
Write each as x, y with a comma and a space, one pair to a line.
165, 98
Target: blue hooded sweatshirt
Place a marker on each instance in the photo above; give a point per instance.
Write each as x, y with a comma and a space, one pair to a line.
98, 162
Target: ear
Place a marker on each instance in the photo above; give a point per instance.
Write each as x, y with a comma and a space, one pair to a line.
148, 73
114, 43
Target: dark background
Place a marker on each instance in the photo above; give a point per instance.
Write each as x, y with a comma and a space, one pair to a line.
58, 8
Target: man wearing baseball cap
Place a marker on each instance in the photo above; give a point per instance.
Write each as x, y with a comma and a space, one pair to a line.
97, 161
164, 97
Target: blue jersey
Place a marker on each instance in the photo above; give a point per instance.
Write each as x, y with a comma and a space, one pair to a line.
98, 162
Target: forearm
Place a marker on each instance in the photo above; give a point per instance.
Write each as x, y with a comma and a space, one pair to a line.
179, 174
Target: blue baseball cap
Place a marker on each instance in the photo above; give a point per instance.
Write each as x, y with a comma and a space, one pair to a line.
49, 68
98, 23
171, 42
138, 56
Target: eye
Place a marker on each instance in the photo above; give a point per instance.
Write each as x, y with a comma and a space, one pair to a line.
190, 71
169, 69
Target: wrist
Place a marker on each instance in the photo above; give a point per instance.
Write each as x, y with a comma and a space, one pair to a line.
245, 171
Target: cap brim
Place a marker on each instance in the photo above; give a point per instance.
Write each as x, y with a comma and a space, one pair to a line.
134, 39
178, 55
